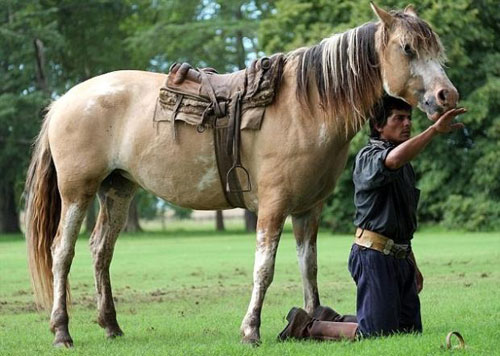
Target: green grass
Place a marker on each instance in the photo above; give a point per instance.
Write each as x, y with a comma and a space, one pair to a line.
184, 292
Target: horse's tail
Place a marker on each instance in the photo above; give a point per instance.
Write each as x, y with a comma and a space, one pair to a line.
43, 211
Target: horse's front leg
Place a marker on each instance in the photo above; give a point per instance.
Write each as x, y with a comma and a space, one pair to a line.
305, 229
269, 227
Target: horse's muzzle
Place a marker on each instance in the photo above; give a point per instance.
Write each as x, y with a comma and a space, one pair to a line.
441, 100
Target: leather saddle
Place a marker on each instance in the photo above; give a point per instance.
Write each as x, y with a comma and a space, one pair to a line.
226, 103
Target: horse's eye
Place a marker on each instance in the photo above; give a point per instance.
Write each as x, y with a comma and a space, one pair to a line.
408, 50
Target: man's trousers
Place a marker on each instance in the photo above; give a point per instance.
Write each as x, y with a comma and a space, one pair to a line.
387, 298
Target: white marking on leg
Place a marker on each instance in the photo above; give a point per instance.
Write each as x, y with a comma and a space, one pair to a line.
262, 276
307, 256
63, 251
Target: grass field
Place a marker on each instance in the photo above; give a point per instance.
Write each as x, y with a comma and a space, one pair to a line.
185, 291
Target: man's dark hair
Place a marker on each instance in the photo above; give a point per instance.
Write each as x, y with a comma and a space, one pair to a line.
383, 110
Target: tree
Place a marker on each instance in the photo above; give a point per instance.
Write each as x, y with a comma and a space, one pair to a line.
457, 181
219, 221
22, 98
250, 221
132, 223
219, 34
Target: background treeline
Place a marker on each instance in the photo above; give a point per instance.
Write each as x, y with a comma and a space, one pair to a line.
47, 46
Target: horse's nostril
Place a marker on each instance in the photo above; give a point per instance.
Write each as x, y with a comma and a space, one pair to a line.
442, 95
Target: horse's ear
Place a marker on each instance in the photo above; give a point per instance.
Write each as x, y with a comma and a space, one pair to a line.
410, 10
383, 15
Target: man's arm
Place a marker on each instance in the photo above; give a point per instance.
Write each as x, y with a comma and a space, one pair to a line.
409, 149
418, 275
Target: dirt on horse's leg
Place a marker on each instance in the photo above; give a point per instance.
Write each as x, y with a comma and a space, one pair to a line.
63, 249
305, 229
115, 195
269, 227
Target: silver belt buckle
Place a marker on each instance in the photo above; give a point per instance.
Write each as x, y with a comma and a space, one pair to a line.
388, 246
400, 253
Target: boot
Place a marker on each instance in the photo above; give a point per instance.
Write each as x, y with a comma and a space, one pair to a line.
348, 319
331, 330
298, 321
323, 313
302, 326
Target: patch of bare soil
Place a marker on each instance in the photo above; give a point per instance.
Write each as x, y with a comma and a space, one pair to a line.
127, 295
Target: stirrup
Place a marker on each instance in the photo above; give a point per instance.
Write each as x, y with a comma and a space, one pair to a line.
461, 341
234, 170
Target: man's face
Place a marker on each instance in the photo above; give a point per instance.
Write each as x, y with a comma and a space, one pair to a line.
397, 128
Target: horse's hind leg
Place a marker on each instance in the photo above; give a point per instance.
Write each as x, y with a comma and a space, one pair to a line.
305, 229
115, 195
75, 197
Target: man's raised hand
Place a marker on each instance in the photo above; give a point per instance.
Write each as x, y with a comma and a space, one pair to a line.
445, 125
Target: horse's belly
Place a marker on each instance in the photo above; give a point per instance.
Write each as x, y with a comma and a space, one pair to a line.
201, 191
182, 171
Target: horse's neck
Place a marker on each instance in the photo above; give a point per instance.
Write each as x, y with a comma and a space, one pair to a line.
339, 79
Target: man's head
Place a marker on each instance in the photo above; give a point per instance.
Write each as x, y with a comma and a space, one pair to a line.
391, 120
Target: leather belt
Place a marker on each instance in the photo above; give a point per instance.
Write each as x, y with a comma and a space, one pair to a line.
378, 242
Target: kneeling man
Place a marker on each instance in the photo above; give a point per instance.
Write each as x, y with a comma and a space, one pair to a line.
381, 261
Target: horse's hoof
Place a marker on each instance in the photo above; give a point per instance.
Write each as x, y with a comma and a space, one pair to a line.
63, 339
251, 340
68, 344
111, 334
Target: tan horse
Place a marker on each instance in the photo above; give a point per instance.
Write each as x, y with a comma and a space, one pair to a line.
99, 138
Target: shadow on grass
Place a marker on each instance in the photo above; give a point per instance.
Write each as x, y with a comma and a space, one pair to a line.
185, 233
170, 234
191, 232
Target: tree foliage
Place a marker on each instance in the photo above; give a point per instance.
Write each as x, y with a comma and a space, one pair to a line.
76, 40
21, 98
219, 34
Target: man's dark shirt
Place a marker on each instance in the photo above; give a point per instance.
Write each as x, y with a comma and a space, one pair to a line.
386, 200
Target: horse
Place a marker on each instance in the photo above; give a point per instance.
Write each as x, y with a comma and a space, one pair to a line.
98, 138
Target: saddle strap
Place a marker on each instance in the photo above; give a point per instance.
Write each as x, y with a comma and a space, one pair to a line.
211, 94
174, 114
235, 135
224, 163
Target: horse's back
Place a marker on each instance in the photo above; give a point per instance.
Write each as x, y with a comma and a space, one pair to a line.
106, 124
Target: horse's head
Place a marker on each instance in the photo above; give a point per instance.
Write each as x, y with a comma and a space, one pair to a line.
411, 57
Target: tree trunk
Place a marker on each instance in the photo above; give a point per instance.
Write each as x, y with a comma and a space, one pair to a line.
9, 218
91, 217
250, 221
219, 221
41, 77
240, 47
132, 224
